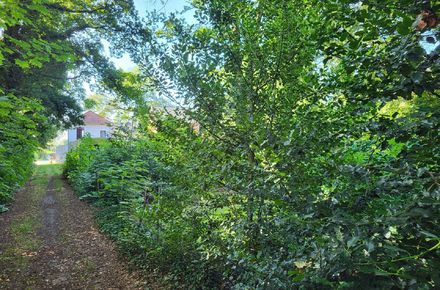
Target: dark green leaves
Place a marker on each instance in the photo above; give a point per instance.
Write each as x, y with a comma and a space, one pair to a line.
317, 161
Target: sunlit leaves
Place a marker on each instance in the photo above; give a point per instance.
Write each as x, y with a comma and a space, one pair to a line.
47, 50
20, 120
317, 161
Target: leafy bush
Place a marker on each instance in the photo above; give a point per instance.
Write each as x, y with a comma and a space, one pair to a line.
41, 45
19, 140
166, 213
317, 162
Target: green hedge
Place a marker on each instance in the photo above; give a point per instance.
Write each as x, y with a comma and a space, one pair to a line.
19, 140
167, 212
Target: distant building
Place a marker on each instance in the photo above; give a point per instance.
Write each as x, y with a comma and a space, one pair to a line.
60, 153
95, 126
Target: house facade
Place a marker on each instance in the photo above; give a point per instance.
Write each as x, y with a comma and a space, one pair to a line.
95, 126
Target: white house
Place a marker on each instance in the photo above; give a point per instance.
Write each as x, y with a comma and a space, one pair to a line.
60, 153
95, 126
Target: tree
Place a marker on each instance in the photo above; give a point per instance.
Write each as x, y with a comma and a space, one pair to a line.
296, 127
47, 50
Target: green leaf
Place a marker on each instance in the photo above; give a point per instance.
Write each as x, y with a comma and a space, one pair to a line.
405, 26
22, 64
35, 62
352, 242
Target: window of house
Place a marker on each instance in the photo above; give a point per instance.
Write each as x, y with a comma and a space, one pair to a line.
103, 134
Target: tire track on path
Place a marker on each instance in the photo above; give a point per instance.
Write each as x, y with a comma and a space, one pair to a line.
49, 240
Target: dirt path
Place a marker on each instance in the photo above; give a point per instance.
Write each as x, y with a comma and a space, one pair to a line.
48, 240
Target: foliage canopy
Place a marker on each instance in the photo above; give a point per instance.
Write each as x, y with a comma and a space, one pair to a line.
47, 50
317, 161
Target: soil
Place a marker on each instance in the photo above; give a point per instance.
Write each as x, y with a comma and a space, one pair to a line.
49, 240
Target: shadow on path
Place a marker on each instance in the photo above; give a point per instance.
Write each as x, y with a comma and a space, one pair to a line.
49, 240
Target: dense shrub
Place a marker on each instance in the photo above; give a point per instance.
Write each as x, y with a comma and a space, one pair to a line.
19, 140
146, 203
43, 46
167, 212
317, 162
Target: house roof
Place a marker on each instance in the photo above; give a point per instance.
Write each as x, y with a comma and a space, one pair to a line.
91, 118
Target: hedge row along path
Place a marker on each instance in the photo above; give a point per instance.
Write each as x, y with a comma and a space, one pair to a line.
48, 240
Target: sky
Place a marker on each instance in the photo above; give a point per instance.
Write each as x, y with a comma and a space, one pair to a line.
170, 6
125, 63
164, 6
